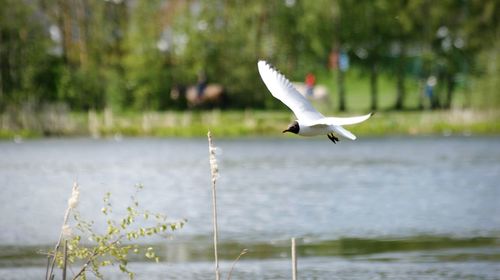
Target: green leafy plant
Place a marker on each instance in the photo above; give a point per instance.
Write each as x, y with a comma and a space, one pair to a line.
84, 245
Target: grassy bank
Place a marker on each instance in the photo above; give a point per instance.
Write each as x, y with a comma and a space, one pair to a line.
235, 123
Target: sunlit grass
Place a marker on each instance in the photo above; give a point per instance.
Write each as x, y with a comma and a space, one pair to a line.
357, 91
253, 123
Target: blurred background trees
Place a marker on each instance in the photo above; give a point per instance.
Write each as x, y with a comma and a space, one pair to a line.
129, 54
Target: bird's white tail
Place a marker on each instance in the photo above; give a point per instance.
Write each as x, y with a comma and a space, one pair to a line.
344, 132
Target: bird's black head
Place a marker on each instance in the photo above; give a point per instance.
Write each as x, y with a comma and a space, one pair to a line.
293, 128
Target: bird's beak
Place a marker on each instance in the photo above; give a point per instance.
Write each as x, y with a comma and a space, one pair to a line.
286, 130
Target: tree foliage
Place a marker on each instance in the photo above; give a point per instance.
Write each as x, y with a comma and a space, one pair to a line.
124, 54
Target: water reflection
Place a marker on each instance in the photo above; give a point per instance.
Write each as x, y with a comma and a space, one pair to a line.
374, 200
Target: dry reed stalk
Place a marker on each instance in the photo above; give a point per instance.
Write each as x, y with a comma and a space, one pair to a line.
65, 259
294, 261
214, 172
72, 203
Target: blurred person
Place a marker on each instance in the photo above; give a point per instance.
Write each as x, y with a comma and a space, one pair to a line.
429, 90
310, 82
201, 84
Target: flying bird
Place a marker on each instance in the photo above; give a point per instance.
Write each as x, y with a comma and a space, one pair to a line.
309, 121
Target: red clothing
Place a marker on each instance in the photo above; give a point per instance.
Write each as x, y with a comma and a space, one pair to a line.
310, 80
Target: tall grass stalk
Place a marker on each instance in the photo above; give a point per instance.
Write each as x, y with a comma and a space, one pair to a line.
65, 265
72, 203
214, 172
294, 261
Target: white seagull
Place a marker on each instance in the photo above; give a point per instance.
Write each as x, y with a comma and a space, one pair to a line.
309, 121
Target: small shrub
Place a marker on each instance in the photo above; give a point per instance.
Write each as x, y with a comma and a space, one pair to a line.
95, 250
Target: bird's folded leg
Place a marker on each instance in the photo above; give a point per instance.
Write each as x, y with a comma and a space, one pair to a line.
333, 138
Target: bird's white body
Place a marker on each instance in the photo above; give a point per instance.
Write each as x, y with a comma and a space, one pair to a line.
305, 130
309, 121
316, 130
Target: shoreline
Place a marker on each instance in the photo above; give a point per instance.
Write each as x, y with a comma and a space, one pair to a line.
231, 124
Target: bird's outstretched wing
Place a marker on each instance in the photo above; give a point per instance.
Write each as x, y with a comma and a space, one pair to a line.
281, 88
339, 121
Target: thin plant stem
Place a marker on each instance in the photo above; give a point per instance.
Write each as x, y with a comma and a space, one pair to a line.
48, 265
244, 251
92, 257
214, 173
65, 259
72, 202
58, 245
84, 267
294, 261
214, 201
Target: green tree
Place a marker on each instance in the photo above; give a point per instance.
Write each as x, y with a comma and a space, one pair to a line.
145, 65
25, 65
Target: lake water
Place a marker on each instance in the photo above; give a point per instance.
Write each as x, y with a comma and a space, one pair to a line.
376, 208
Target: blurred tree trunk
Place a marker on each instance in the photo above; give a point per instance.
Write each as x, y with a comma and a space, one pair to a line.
450, 89
81, 15
435, 100
373, 86
259, 30
64, 21
340, 74
1, 73
421, 94
341, 89
338, 47
400, 79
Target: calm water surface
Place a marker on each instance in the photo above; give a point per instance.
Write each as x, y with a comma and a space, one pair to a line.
382, 208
